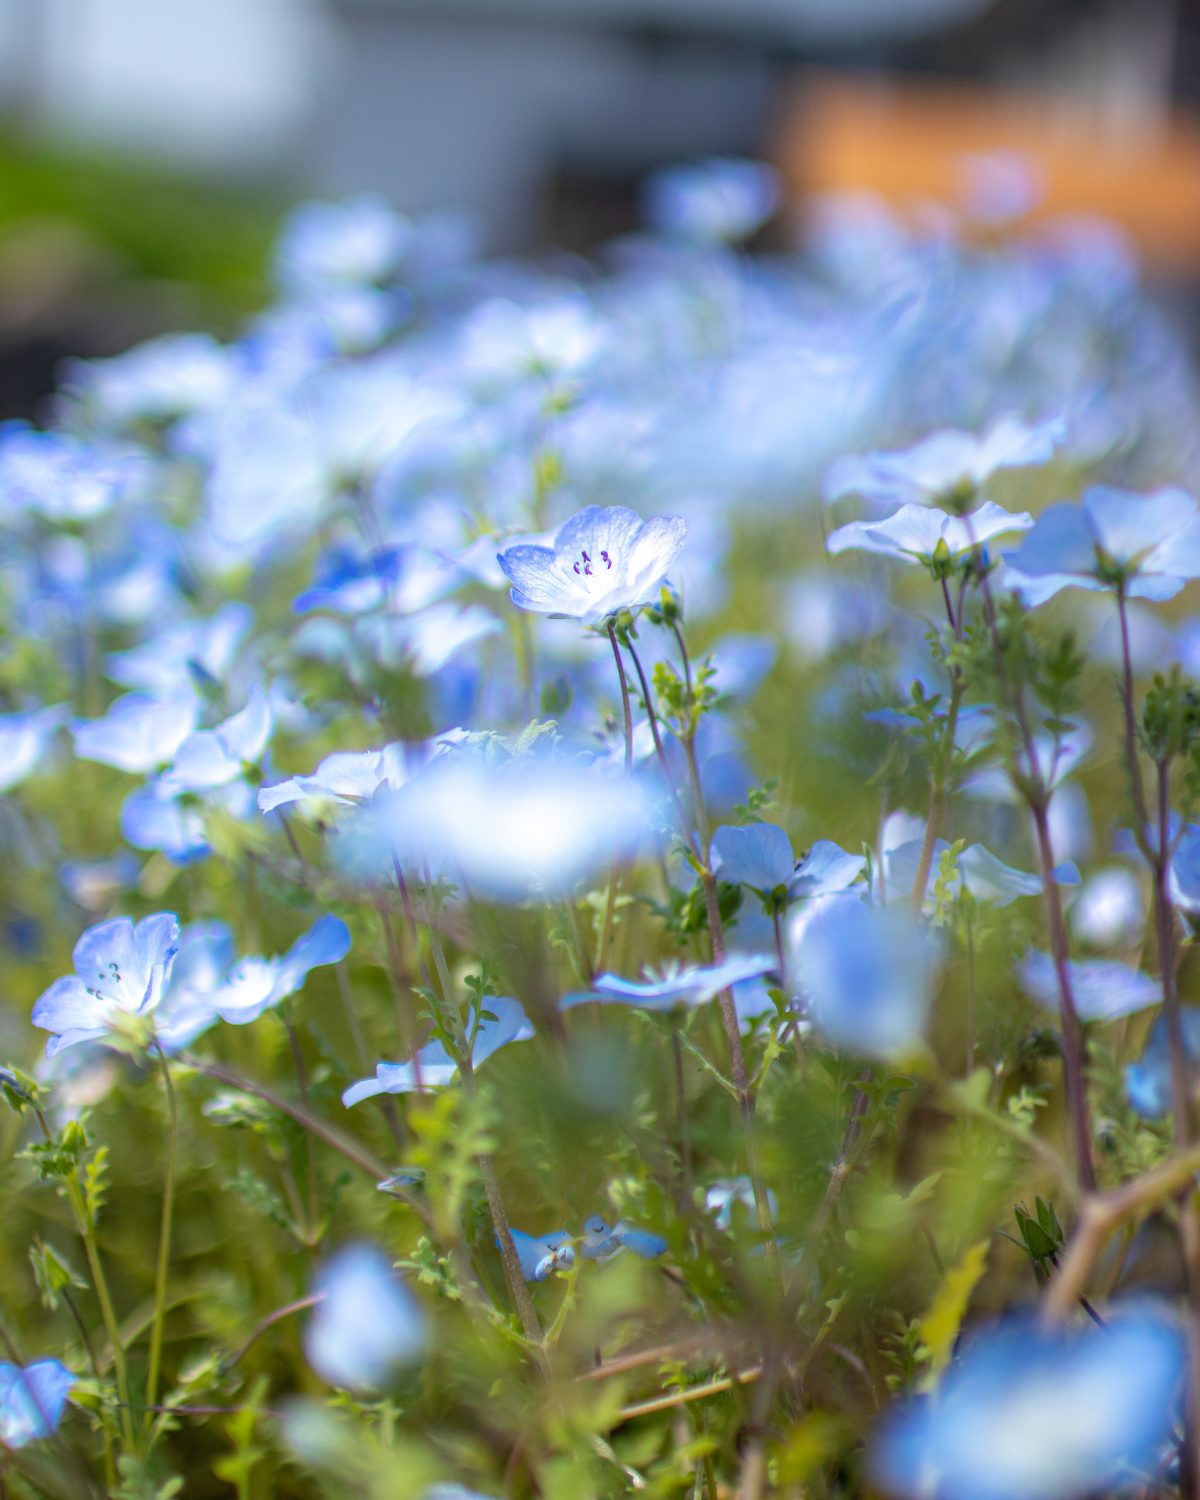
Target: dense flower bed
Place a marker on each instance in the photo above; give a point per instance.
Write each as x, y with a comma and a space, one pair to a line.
603, 856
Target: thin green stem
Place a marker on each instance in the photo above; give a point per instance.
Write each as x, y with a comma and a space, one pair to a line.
164, 1237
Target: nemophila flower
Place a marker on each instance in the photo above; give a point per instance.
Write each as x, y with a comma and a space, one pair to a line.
541, 1255
367, 1327
155, 816
1184, 871
350, 776
716, 202
257, 984
605, 559
200, 650
825, 870
728, 1195
155, 381
505, 342
206, 955
422, 643
1109, 908
64, 478
1035, 1413
360, 239
921, 534
602, 1243
138, 733
32, 1400
120, 971
25, 742
1147, 546
93, 883
759, 856
434, 1068
687, 985
1148, 1082
503, 829
949, 468
210, 758
866, 973
1103, 989
976, 869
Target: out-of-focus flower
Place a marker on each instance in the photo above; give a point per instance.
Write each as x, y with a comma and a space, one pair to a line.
434, 1068
24, 742
977, 870
542, 1255
256, 984
501, 828
210, 758
349, 776
1029, 1413
716, 202
727, 1194
1148, 1082
1184, 873
867, 974
32, 1400
120, 970
1109, 908
155, 381
63, 478
694, 985
949, 467
919, 533
138, 733
1103, 989
604, 559
200, 650
368, 1326
1147, 545
361, 239
760, 856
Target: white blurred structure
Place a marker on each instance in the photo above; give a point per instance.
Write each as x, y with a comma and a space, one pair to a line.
436, 103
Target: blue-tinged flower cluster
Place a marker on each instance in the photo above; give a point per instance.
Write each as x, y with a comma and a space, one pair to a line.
495, 681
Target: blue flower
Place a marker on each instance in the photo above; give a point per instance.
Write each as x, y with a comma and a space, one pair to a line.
694, 985
724, 1196
977, 870
211, 758
349, 776
25, 743
368, 1326
200, 650
1109, 908
867, 974
759, 856
362, 239
32, 1400
716, 202
255, 984
502, 828
64, 478
1148, 545
434, 1068
604, 560
120, 970
1103, 989
541, 1255
948, 467
1029, 1413
1184, 874
138, 733
915, 533
1148, 1082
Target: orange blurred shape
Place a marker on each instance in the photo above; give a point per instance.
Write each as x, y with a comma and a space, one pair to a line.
907, 141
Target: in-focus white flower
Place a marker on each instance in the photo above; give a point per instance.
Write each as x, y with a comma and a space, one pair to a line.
604, 559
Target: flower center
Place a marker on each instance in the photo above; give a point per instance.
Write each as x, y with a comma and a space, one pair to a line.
585, 568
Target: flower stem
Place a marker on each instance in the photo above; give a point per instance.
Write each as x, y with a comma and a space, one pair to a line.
1036, 797
164, 1238
614, 872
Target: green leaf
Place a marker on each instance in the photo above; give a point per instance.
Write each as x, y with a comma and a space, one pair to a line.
940, 1326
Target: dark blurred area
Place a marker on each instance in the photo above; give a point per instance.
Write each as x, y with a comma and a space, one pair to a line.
147, 151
